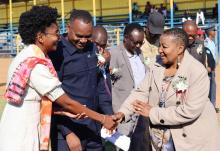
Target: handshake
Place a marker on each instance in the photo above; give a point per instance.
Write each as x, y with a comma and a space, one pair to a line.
111, 122
139, 107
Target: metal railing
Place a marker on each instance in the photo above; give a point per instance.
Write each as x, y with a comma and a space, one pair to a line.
7, 43
12, 44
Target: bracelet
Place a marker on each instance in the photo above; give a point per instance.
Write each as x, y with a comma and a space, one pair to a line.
103, 121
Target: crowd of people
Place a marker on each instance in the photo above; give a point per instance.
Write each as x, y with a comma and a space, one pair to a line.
156, 87
149, 8
187, 14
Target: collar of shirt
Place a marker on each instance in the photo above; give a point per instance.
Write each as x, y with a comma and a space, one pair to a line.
38, 52
131, 55
194, 45
209, 40
149, 50
71, 49
137, 67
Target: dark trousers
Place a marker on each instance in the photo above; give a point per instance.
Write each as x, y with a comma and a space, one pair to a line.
212, 91
90, 140
140, 139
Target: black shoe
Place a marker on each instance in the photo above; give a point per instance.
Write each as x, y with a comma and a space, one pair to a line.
217, 110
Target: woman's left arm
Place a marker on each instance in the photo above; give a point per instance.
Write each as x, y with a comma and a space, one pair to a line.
191, 109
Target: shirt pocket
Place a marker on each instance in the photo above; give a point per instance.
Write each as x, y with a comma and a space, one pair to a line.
77, 65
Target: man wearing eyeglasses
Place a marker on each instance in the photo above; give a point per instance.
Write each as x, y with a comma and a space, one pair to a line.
76, 64
129, 62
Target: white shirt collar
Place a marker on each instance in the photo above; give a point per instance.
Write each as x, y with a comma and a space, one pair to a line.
130, 55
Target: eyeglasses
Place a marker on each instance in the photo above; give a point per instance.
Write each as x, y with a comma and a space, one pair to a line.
53, 34
136, 42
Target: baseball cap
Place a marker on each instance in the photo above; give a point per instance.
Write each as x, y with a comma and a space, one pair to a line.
212, 28
156, 23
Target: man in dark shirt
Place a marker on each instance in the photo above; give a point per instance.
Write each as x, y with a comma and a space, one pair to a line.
195, 47
76, 64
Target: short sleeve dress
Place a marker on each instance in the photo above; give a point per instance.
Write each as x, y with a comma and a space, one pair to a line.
19, 125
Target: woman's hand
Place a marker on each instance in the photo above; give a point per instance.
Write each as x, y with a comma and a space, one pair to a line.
75, 116
60, 111
109, 123
141, 108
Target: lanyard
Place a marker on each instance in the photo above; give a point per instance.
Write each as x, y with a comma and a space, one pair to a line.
165, 87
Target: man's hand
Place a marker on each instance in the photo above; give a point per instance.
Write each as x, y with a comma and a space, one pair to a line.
141, 108
106, 54
73, 142
103, 57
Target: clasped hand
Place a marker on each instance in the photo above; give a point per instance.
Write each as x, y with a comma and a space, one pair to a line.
111, 122
139, 107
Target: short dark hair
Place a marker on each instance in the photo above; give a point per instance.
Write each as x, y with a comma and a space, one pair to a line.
83, 15
179, 34
131, 27
36, 20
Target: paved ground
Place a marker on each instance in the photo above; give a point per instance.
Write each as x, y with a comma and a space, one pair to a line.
4, 63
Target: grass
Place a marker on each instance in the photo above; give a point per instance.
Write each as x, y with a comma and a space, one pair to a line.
2, 104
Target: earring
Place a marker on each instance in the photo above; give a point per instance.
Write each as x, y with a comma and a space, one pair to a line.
178, 63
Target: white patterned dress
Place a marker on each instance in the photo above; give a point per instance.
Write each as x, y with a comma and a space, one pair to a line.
19, 124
